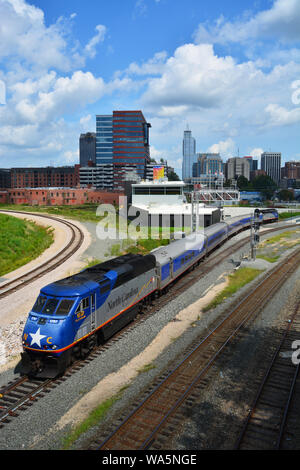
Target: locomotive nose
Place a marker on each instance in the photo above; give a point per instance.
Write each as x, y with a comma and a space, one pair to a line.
40, 335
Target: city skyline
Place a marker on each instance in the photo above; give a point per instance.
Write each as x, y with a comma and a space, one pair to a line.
230, 71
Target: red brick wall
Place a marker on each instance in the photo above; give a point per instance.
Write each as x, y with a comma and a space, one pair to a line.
58, 197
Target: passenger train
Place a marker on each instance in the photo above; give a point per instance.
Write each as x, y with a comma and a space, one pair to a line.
73, 315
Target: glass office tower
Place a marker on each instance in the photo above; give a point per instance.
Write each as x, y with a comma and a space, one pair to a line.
122, 139
188, 154
104, 139
87, 148
130, 143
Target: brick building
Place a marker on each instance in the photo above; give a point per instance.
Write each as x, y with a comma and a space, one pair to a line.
57, 196
64, 176
291, 170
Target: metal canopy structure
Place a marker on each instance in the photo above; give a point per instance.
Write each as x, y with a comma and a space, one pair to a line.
223, 196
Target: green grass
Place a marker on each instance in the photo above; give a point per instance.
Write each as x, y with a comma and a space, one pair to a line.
93, 262
97, 415
238, 279
146, 368
287, 215
21, 241
270, 259
280, 237
83, 213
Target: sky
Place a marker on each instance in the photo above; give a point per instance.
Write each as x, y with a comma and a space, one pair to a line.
229, 70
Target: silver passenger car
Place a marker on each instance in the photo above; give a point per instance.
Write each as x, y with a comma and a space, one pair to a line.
180, 255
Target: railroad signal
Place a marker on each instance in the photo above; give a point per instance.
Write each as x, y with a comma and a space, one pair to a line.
254, 237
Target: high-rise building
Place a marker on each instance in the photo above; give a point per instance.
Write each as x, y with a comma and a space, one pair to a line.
122, 139
236, 167
87, 148
104, 139
130, 143
208, 164
271, 164
188, 154
250, 160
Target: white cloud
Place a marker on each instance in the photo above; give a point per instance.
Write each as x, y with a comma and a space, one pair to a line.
151, 67
280, 116
195, 80
227, 148
24, 36
86, 122
66, 96
282, 21
90, 48
256, 153
194, 76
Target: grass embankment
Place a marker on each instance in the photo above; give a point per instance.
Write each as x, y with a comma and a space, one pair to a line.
288, 215
97, 415
21, 241
271, 249
238, 279
82, 213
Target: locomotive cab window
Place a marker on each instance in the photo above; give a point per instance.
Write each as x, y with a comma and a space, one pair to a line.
64, 307
85, 303
50, 306
39, 304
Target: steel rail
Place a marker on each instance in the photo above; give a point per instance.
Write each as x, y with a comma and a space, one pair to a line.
124, 441
263, 384
55, 261
199, 272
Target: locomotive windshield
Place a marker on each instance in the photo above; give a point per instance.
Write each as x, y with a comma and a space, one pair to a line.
39, 304
52, 306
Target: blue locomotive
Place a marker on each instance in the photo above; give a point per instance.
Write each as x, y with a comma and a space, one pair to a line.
73, 315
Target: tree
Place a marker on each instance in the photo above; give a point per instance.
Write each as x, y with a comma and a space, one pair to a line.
286, 195
242, 183
172, 176
265, 185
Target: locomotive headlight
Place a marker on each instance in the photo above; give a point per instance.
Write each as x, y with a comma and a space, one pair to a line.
54, 346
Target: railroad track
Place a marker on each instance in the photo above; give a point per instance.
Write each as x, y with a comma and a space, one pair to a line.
18, 396
10, 405
270, 423
143, 425
73, 245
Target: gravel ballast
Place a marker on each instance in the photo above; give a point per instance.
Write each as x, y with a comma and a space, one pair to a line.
36, 428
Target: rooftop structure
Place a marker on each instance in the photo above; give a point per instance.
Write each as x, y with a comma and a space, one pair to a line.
165, 201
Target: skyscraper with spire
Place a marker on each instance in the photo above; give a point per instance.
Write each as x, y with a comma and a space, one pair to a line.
188, 154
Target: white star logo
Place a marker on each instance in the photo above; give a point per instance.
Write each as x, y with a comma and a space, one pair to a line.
36, 338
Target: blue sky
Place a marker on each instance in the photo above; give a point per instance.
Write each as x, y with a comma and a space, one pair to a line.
230, 70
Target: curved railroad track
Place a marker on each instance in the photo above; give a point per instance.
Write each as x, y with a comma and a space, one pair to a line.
12, 401
77, 237
140, 429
